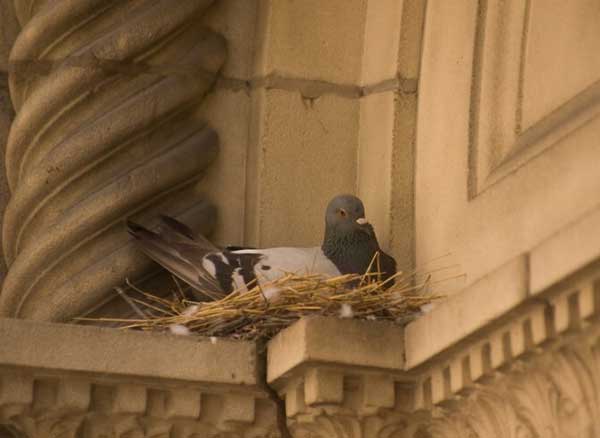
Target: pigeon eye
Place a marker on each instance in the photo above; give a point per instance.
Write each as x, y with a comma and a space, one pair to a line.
342, 212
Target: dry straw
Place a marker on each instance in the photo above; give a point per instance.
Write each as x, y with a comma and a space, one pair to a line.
261, 312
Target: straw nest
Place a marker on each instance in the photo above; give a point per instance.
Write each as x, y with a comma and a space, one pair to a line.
261, 312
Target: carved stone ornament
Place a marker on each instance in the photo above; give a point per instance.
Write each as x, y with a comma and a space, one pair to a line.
70, 381
554, 395
105, 94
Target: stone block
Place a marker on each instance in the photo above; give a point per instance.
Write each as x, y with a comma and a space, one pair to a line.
339, 341
129, 399
73, 395
312, 39
304, 153
16, 389
587, 301
378, 391
238, 408
294, 400
456, 375
323, 386
183, 403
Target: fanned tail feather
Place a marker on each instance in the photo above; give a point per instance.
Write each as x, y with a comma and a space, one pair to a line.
176, 250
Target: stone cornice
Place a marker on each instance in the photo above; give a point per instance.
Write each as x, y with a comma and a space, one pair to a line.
343, 378
67, 380
125, 353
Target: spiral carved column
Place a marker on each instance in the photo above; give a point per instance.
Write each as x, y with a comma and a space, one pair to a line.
105, 93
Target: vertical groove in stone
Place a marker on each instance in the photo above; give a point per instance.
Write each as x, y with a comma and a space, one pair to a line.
105, 93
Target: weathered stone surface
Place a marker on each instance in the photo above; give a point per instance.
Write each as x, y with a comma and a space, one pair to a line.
304, 153
312, 39
337, 341
108, 351
9, 28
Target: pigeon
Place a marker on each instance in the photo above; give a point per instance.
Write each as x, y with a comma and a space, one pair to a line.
349, 247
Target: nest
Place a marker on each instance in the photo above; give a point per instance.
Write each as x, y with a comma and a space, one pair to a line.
262, 311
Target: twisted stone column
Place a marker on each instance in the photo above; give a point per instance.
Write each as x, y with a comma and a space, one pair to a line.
105, 93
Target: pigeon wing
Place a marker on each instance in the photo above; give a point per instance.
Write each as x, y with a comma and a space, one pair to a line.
182, 258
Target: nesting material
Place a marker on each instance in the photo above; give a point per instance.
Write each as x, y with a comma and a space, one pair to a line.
262, 312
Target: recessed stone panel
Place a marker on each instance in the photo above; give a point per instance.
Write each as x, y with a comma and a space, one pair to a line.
562, 57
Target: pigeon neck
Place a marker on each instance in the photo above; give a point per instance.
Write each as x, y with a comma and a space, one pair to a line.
349, 252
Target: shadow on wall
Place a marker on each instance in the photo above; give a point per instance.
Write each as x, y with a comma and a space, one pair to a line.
9, 29
6, 117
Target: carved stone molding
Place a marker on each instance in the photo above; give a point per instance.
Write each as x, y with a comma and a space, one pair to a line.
533, 372
342, 378
105, 94
549, 393
79, 408
539, 321
554, 394
88, 382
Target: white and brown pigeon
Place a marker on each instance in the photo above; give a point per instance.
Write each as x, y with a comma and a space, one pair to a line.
349, 247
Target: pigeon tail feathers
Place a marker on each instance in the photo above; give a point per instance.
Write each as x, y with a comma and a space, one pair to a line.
178, 257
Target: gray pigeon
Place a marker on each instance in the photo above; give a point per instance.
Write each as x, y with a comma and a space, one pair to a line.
348, 247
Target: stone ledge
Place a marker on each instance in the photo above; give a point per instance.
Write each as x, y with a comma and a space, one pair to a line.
549, 260
466, 312
372, 344
338, 372
108, 351
529, 277
91, 382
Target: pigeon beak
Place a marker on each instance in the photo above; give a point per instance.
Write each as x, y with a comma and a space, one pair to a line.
362, 221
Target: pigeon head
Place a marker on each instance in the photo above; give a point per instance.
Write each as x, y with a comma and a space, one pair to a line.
346, 214
350, 241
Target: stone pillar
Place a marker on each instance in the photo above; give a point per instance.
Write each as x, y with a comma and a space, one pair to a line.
9, 28
105, 129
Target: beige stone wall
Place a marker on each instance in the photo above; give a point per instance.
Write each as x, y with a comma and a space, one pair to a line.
333, 110
507, 129
470, 129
